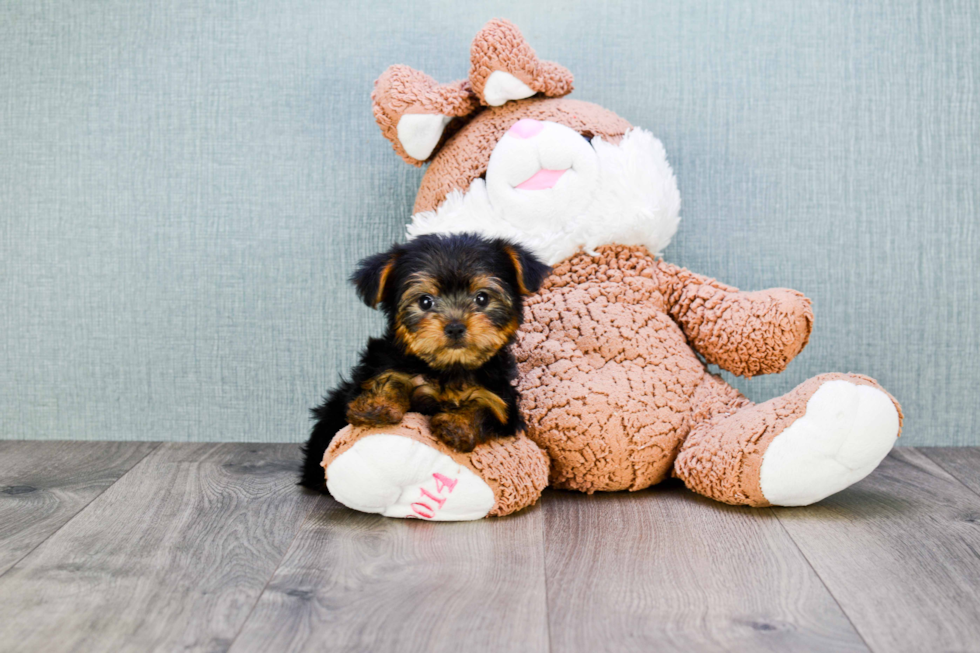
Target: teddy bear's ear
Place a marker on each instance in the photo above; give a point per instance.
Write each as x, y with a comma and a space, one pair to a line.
413, 110
504, 67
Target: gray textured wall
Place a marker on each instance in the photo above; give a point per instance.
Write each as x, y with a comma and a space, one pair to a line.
184, 187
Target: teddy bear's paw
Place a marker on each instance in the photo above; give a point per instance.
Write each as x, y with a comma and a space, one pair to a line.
397, 476
846, 431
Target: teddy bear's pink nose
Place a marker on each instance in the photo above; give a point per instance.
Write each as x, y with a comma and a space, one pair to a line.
525, 128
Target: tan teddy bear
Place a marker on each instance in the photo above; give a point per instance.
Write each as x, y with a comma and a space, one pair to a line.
614, 347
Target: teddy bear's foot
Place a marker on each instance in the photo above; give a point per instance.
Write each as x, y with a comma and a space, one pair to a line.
825, 435
403, 471
396, 476
846, 432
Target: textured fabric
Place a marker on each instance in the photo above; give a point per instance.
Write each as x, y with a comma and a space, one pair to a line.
401, 91
185, 187
610, 375
743, 333
500, 47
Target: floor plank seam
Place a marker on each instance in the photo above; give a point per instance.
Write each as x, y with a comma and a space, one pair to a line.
951, 472
544, 565
258, 599
156, 445
822, 581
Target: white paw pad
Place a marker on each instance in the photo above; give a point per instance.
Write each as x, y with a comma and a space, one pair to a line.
847, 430
397, 476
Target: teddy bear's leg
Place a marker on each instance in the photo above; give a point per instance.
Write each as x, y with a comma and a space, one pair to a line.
403, 471
824, 435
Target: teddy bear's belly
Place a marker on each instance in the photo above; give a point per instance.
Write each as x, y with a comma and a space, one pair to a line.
606, 380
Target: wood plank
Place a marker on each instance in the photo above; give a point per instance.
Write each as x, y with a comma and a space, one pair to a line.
961, 462
900, 552
361, 582
44, 484
668, 570
172, 556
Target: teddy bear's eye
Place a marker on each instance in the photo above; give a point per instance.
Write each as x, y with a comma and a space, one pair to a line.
482, 299
425, 302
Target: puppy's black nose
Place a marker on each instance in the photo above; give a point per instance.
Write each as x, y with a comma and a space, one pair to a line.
455, 330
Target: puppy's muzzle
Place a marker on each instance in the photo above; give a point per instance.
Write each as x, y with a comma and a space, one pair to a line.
455, 331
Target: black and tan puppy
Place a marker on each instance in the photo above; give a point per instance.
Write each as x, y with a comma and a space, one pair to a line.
453, 305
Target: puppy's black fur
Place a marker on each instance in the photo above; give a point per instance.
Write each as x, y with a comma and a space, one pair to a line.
453, 304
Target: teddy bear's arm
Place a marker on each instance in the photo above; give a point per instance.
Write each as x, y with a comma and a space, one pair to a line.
746, 333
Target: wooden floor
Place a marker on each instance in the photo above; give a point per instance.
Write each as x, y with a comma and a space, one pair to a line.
211, 547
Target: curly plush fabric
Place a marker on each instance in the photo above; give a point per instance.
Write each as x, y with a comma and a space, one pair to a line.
745, 333
610, 385
499, 46
614, 391
593, 341
402, 90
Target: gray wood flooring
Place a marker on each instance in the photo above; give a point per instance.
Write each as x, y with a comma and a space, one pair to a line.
111, 546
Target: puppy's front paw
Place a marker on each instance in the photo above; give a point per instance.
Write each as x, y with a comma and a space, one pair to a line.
375, 410
457, 430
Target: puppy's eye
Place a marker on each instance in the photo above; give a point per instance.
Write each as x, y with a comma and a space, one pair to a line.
482, 299
425, 302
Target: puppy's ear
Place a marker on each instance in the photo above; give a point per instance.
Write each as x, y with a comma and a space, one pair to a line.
373, 276
530, 271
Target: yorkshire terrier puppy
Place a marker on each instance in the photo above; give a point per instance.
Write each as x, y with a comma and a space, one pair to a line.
453, 304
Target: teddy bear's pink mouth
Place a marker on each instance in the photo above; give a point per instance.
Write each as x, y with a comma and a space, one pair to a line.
541, 180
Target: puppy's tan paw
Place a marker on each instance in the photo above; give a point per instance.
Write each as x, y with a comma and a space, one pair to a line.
458, 430
375, 410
